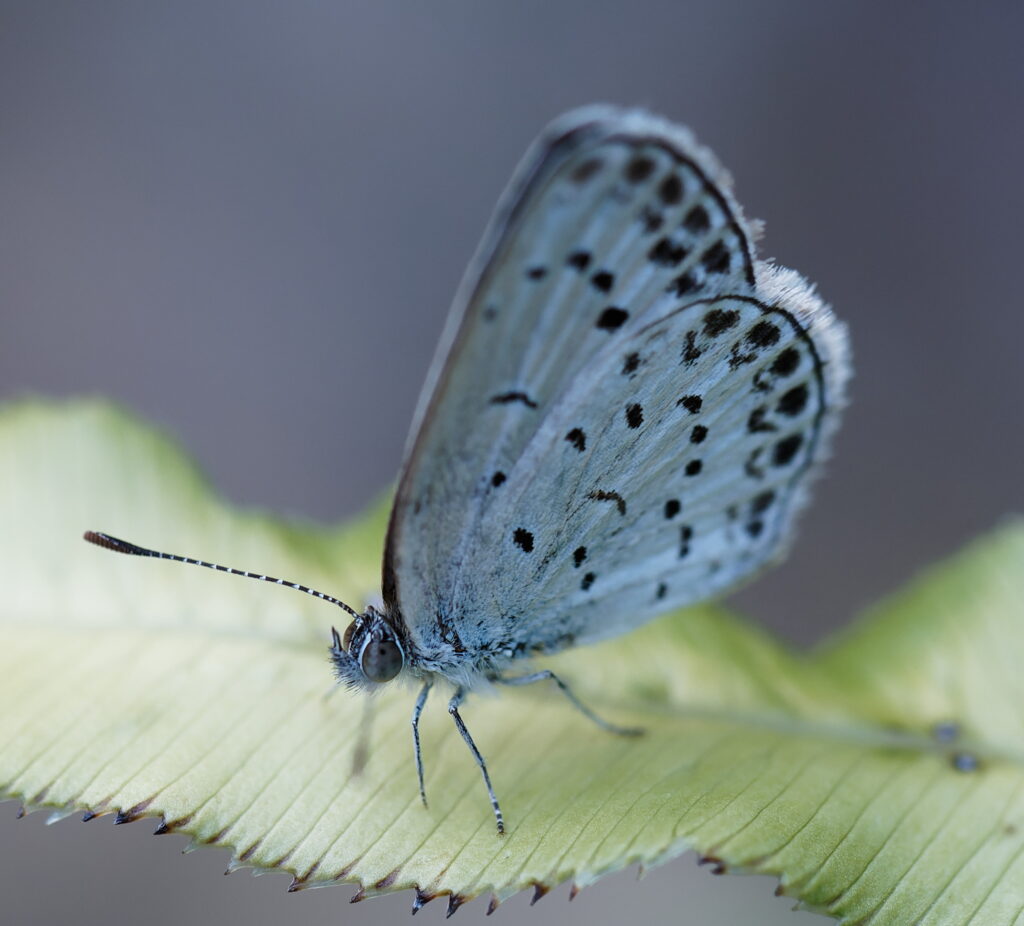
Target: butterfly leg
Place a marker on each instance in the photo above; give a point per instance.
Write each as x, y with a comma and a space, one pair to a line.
546, 674
416, 711
362, 751
453, 709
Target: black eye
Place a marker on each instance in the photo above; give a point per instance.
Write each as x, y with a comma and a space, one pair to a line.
381, 660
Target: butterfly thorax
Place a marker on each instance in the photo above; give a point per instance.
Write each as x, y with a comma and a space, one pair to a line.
465, 652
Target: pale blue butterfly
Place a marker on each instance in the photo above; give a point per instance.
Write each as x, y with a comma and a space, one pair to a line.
624, 416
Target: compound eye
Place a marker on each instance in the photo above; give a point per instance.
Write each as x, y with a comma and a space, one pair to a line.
381, 660
346, 640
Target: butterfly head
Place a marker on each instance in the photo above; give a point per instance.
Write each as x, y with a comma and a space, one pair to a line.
369, 653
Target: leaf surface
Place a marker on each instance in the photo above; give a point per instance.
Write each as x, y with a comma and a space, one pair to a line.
145, 688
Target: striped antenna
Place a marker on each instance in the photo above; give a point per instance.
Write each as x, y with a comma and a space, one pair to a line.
123, 546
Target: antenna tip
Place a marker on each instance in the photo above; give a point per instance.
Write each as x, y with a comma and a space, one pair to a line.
107, 542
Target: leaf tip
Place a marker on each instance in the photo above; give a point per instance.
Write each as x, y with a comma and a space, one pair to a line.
234, 865
421, 899
170, 826
133, 813
718, 866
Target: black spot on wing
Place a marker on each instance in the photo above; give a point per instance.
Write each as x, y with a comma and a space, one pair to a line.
757, 423
786, 363
671, 190
697, 221
586, 170
763, 334
639, 168
508, 398
651, 220
786, 449
672, 508
717, 258
578, 556
738, 357
685, 536
612, 318
693, 468
683, 285
578, 438
634, 415
691, 352
692, 403
587, 581
602, 281
698, 434
718, 321
579, 260
793, 401
523, 539
600, 495
498, 478
762, 382
665, 253
537, 273
630, 363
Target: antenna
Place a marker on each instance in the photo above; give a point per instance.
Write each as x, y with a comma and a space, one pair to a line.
123, 546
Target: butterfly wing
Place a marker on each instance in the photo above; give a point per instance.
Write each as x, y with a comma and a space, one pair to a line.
668, 472
617, 235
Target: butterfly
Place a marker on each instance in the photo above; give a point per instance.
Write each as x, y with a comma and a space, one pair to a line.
624, 415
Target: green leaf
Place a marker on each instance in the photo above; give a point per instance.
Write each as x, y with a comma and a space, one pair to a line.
149, 689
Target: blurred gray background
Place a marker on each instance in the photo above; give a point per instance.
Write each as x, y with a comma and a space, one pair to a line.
246, 221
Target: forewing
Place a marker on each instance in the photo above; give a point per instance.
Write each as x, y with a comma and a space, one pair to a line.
613, 219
